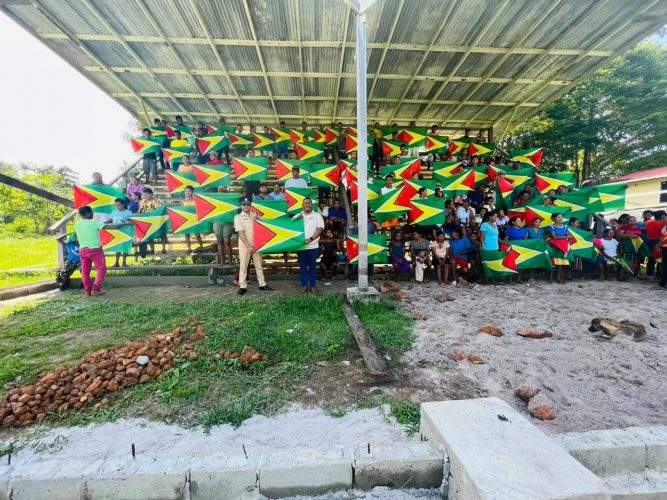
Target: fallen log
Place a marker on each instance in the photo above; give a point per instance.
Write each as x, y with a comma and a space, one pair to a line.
369, 351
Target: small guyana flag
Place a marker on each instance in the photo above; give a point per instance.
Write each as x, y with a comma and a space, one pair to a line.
377, 248
444, 169
117, 240
175, 155
269, 209
437, 144
499, 264
160, 132
324, 174
391, 148
504, 190
543, 212
527, 157
295, 197
427, 212
251, 169
636, 246
330, 136
412, 137
211, 143
300, 135
459, 184
373, 192
186, 132
212, 176
216, 207
532, 254
459, 144
612, 196
520, 177
386, 207
404, 170
99, 197
264, 141
279, 235
581, 244
178, 181
280, 134
184, 220
240, 141
310, 150
143, 145
545, 183
151, 225
481, 149
284, 169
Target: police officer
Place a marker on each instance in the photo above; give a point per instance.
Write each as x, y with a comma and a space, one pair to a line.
243, 223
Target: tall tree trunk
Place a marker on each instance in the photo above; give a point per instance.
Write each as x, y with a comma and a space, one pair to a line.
585, 171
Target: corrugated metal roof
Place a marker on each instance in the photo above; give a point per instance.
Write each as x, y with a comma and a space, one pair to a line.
459, 63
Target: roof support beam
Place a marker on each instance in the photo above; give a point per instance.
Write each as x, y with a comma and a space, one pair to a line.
260, 56
341, 61
218, 58
397, 17
298, 35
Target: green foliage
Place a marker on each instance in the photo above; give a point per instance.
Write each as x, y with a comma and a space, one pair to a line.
613, 123
405, 412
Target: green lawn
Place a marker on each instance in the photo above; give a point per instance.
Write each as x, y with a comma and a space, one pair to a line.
295, 332
23, 252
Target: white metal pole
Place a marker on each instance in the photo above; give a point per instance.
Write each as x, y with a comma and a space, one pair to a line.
362, 153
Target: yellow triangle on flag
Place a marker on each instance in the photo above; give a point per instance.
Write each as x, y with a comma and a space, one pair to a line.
250, 169
213, 175
498, 266
524, 253
155, 222
119, 237
568, 204
579, 242
281, 234
373, 248
280, 135
545, 216
262, 141
268, 212
390, 204
608, 198
100, 198
310, 152
219, 207
323, 173
447, 171
427, 211
517, 180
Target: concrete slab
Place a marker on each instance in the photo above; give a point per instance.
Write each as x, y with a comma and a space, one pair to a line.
369, 295
222, 477
55, 480
646, 486
496, 453
655, 439
419, 465
304, 472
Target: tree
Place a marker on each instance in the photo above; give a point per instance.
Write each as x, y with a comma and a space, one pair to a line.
613, 123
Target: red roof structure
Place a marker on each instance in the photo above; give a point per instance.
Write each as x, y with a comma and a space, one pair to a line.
651, 173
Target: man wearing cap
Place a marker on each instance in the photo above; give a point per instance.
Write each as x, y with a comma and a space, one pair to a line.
243, 223
296, 181
313, 228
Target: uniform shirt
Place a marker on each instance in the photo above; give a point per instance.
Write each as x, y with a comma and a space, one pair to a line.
88, 233
296, 183
311, 222
243, 222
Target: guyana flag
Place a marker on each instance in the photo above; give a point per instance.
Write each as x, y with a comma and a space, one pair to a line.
437, 143
324, 174
391, 148
178, 181
310, 150
240, 141
212, 176
264, 141
117, 240
211, 143
351, 143
410, 190
99, 197
387, 207
175, 155
377, 248
532, 254
427, 212
459, 144
295, 197
499, 264
412, 137
636, 246
444, 169
284, 169
581, 244
577, 203
544, 183
151, 225
545, 213
278, 235
492, 171
281, 134
216, 207
351, 175
481, 174
520, 177
594, 203
300, 135
186, 132
373, 191
459, 184
184, 220
160, 132
612, 196
143, 145
404, 170
527, 157
330, 136
319, 135
559, 248
481, 149
504, 190
269, 209
220, 129
251, 169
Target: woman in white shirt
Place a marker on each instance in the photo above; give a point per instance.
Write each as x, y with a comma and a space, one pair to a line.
442, 259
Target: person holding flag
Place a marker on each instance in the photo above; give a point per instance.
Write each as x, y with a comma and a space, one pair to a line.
149, 161
243, 224
313, 228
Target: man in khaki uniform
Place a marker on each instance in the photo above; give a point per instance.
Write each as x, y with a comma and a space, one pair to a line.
243, 226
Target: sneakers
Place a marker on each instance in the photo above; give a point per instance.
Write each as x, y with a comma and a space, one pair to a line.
96, 293
242, 291
266, 288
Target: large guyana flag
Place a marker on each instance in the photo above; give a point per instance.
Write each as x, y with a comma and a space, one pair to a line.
269, 209
532, 254
311, 150
184, 221
373, 192
210, 143
459, 184
240, 141
412, 137
377, 248
186, 132
251, 169
175, 155
444, 169
216, 207
545, 183
351, 143
391, 148
280, 134
504, 190
544, 212
437, 144
264, 141
143, 145
459, 144
499, 264
117, 240
324, 174
612, 196
151, 225
279, 235
295, 197
404, 170
481, 149
577, 203
527, 157
212, 176
427, 212
178, 181
160, 132
520, 177
284, 169
300, 135
99, 197
387, 207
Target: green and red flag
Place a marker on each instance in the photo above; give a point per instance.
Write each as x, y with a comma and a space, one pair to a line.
459, 184
264, 141
612, 196
216, 207
210, 143
324, 174
300, 135
295, 197
240, 141
151, 225
412, 137
377, 248
559, 248
281, 134
178, 181
319, 135
499, 264
279, 235
184, 220
253, 168
411, 189
330, 136
543, 212
532, 254
186, 132
427, 212
577, 203
437, 144
481, 174
459, 144
444, 169
351, 175
175, 155
504, 190
387, 206
160, 132
269, 209
311, 150
404, 170
99, 197
373, 192
284, 169
351, 143
581, 244
635, 245
212, 176
520, 177
527, 157
492, 171
144, 145
117, 240
391, 148
481, 149
545, 183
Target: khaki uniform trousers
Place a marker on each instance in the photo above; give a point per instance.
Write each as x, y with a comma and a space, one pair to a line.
244, 259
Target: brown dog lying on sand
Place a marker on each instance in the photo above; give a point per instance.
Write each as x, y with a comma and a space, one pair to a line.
610, 328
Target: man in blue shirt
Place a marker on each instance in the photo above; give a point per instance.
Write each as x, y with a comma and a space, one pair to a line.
337, 218
276, 194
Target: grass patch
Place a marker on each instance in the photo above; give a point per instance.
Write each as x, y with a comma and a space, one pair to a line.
406, 413
19, 278
22, 251
385, 324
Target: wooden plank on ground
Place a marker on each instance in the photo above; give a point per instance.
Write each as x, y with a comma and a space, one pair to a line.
369, 351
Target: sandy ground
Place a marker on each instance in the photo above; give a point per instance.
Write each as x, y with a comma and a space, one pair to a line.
590, 383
